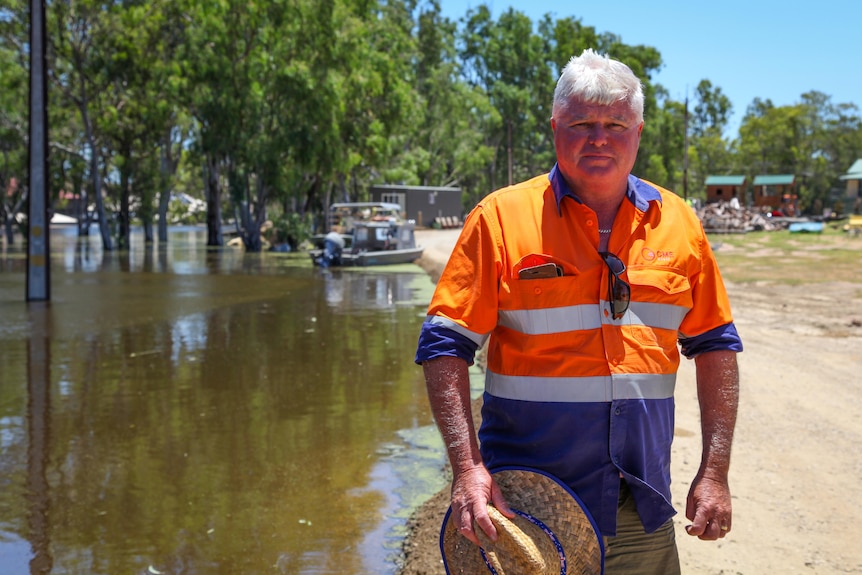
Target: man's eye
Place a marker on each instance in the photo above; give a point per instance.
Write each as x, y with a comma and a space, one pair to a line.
617, 127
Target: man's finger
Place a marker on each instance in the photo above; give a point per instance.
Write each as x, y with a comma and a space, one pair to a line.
483, 521
499, 501
698, 525
465, 525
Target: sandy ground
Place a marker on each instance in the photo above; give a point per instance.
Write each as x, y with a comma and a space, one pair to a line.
798, 448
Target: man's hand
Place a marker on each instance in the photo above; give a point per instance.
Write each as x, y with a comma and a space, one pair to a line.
708, 508
471, 492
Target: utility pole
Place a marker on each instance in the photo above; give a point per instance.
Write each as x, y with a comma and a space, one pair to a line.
38, 222
509, 148
685, 150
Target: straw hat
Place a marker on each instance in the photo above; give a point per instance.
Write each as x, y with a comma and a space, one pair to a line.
551, 533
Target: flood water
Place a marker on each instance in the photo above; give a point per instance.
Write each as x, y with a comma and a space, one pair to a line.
192, 410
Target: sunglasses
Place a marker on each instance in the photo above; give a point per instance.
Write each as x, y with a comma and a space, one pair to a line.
619, 292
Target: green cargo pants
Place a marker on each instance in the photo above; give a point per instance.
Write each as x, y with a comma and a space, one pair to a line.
634, 552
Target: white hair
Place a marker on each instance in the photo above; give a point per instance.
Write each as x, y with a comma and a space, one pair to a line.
595, 78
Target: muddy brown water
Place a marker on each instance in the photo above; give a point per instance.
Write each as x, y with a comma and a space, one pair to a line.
192, 410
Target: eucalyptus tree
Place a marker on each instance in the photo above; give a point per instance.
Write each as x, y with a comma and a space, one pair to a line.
661, 157
140, 65
442, 143
772, 139
13, 113
506, 59
371, 65
124, 119
712, 109
348, 79
215, 59
69, 166
831, 140
710, 152
768, 137
815, 139
76, 36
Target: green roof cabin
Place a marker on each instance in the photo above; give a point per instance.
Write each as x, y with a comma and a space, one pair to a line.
853, 177
723, 188
775, 191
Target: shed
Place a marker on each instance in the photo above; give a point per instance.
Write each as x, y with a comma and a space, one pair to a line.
853, 177
724, 188
422, 203
776, 191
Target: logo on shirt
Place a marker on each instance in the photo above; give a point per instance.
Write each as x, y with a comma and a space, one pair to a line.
661, 256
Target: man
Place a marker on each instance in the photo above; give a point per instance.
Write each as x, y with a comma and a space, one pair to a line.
333, 246
584, 281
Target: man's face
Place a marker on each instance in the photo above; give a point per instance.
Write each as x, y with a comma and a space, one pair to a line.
596, 145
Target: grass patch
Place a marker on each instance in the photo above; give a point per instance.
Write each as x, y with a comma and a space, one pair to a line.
792, 259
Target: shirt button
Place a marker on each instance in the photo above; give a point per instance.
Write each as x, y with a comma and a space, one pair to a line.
537, 290
617, 411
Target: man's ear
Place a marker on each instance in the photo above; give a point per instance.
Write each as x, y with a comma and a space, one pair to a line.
554, 125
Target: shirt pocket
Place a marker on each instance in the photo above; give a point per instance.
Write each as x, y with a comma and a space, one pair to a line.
565, 290
661, 297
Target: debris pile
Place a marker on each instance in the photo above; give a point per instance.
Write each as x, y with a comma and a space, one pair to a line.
722, 217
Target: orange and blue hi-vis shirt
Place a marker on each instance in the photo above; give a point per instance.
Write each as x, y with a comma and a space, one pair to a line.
569, 389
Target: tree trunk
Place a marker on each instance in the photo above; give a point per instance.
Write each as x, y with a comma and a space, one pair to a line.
213, 193
9, 232
254, 220
96, 176
168, 169
9, 218
124, 231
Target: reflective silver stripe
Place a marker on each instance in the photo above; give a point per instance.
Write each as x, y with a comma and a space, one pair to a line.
589, 316
477, 338
660, 315
581, 389
552, 320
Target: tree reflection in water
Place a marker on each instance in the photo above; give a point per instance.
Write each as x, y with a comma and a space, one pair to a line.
192, 410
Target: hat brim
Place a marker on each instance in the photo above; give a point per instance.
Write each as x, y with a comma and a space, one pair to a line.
545, 498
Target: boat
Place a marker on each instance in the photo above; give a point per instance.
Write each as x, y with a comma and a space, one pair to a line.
366, 234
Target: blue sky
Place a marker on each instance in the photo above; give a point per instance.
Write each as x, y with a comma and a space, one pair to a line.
764, 49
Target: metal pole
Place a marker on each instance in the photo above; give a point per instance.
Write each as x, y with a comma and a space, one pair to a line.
509, 148
38, 222
685, 151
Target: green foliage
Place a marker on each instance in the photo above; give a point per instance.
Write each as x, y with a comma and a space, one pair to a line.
291, 228
298, 103
13, 112
183, 212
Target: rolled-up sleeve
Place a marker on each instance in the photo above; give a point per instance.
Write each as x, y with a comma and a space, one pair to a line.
463, 310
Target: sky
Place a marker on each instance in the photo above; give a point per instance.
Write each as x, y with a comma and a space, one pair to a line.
767, 49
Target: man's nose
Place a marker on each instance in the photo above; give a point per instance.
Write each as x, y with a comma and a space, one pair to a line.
598, 135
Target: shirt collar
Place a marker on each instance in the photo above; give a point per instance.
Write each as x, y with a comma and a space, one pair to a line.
638, 191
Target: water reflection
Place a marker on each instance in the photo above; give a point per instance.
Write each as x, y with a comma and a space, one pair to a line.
188, 410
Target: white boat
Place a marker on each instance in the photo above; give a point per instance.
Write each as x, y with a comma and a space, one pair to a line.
373, 233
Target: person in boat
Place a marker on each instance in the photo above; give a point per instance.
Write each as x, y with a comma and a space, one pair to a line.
585, 282
333, 246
